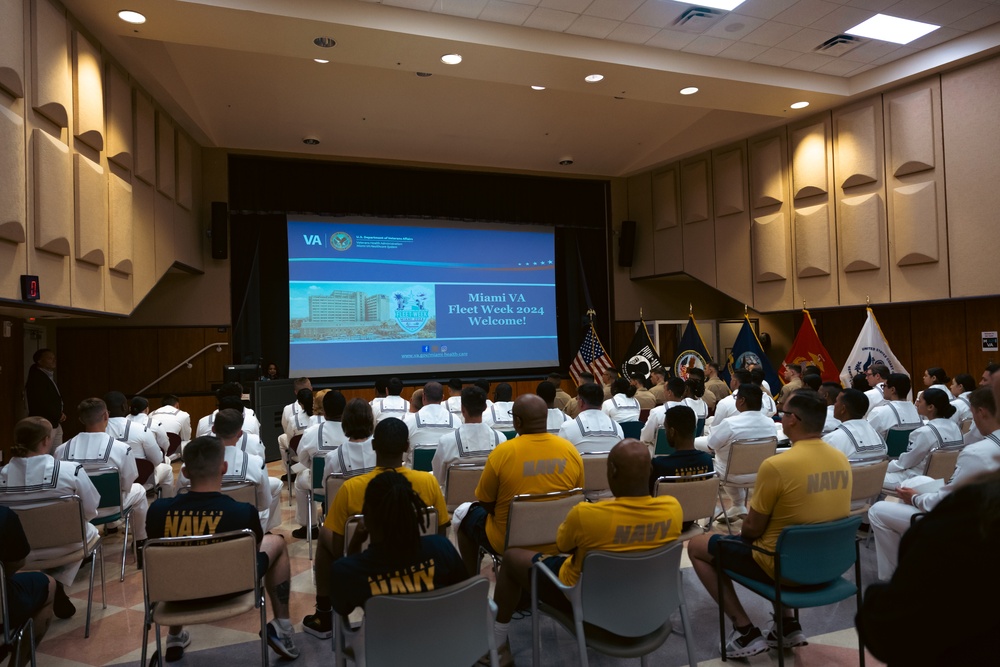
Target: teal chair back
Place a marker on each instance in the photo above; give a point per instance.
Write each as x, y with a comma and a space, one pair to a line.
422, 458
897, 439
510, 434
632, 429
663, 447
699, 430
318, 467
109, 487
817, 553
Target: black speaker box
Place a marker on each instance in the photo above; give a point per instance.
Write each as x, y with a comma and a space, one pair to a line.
626, 243
220, 230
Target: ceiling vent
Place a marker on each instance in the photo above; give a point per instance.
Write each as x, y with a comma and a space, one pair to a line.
839, 45
698, 19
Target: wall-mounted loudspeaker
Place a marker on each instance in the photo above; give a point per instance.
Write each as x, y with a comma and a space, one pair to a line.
220, 230
626, 243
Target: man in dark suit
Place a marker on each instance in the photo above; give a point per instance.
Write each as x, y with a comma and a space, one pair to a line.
42, 394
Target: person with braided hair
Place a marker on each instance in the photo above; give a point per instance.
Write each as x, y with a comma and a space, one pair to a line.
399, 559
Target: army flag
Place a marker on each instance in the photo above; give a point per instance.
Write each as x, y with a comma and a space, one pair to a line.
808, 350
591, 358
747, 352
641, 356
691, 350
870, 348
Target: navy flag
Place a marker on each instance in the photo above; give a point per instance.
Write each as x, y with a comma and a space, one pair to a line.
691, 350
641, 356
746, 352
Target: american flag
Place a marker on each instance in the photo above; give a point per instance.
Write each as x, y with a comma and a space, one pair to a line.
591, 358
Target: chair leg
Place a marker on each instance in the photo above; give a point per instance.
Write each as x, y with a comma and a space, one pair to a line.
159, 647
288, 476
779, 626
264, 657
104, 590
686, 622
90, 593
309, 528
31, 641
722, 613
857, 582
145, 638
128, 524
536, 630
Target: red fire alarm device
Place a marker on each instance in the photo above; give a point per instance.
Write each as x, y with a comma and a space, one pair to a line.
30, 290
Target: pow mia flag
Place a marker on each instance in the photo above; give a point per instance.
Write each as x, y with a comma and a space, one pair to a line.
641, 356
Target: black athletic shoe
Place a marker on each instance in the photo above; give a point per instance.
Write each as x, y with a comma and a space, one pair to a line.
62, 606
300, 533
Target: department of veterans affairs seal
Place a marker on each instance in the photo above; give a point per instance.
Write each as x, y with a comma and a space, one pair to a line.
341, 241
687, 360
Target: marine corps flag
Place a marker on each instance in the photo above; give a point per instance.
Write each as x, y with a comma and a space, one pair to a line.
808, 350
691, 350
870, 348
746, 352
641, 356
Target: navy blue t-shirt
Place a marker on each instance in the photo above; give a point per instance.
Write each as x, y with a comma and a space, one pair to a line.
201, 513
375, 572
683, 462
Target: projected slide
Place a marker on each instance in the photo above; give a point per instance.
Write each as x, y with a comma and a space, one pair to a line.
375, 297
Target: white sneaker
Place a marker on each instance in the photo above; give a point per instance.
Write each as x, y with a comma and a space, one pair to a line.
737, 512
744, 646
176, 645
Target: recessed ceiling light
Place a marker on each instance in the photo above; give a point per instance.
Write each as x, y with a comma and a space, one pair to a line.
538, 87
593, 78
320, 61
451, 59
566, 161
690, 90
727, 5
799, 105
423, 74
325, 42
310, 141
129, 16
892, 29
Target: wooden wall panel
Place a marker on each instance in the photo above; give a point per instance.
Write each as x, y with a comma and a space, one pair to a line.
814, 239
939, 338
640, 210
732, 222
84, 370
133, 354
980, 315
667, 231
915, 179
770, 213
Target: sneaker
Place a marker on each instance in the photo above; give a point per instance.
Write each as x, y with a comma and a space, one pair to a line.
282, 644
744, 646
300, 533
319, 624
737, 512
793, 634
176, 645
62, 606
504, 657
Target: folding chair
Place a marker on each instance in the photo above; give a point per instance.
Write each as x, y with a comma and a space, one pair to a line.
15, 634
745, 457
201, 579
147, 476
966, 425
866, 485
941, 463
595, 475
107, 481
699, 429
173, 450
695, 493
814, 556
534, 519
316, 493
897, 439
244, 491
293, 448
53, 522
430, 527
399, 628
632, 429
422, 457
663, 447
609, 613
460, 484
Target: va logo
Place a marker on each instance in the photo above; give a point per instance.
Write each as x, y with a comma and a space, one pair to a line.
341, 241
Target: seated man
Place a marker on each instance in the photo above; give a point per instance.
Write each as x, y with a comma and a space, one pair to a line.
244, 467
138, 412
29, 594
533, 462
290, 416
895, 410
562, 398
142, 441
391, 444
497, 416
473, 441
398, 559
830, 391
686, 460
431, 421
855, 436
592, 430
726, 407
632, 521
392, 405
556, 418
205, 465
94, 448
454, 402
748, 424
673, 394
232, 389
172, 419
889, 521
782, 497
876, 375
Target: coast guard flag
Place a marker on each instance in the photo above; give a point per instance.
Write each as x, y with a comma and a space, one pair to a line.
807, 349
870, 348
591, 358
691, 350
747, 351
641, 356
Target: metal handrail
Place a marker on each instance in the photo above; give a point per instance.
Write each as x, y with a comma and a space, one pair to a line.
186, 362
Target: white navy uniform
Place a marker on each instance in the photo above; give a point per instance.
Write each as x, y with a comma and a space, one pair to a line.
893, 413
592, 431
173, 420
95, 450
152, 425
390, 406
858, 441
454, 405
317, 440
144, 446
43, 476
621, 408
499, 416
748, 425
555, 419
470, 442
963, 409
250, 423
655, 420
875, 396
938, 433
831, 421
427, 426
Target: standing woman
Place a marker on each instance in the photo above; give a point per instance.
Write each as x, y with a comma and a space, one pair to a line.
33, 473
622, 406
939, 432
